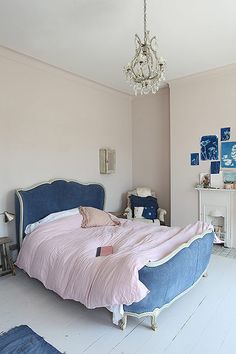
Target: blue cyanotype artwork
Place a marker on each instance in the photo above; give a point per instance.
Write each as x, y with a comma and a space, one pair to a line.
225, 134
209, 147
194, 159
215, 167
228, 155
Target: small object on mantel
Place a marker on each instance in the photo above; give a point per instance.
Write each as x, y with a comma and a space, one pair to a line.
229, 185
6, 264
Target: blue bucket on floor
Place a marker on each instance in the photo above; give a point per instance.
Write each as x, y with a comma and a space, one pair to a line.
22, 340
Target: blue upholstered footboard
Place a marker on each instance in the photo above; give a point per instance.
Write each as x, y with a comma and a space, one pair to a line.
167, 281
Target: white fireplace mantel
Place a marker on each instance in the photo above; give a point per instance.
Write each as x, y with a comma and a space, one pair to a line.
221, 202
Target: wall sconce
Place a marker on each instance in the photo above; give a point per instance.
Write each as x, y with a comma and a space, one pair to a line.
107, 161
8, 217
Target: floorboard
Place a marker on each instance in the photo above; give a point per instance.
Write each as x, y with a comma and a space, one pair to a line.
202, 321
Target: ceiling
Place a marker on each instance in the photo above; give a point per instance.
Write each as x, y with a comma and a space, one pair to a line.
95, 38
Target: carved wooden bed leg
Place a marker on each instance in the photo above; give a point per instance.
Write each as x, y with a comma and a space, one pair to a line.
123, 322
154, 322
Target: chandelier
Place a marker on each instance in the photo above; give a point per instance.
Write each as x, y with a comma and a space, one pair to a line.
145, 72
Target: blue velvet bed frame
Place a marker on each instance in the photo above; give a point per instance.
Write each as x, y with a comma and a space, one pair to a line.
167, 279
36, 202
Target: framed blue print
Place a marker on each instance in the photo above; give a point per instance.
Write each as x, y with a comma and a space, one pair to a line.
228, 154
194, 159
215, 167
225, 134
209, 147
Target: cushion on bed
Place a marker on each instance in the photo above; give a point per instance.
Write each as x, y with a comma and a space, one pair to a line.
51, 217
93, 217
149, 205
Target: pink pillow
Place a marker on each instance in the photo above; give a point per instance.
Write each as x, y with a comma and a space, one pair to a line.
93, 217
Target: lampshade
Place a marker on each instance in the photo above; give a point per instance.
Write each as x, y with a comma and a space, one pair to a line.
8, 216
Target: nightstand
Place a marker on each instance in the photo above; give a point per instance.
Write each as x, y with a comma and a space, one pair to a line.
6, 264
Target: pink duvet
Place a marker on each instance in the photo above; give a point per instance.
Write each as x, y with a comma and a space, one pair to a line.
61, 255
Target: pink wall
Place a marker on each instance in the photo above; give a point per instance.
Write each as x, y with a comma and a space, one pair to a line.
151, 144
199, 105
52, 125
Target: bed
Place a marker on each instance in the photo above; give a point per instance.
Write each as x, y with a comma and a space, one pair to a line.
165, 279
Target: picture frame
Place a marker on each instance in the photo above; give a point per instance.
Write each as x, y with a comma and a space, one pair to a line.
228, 154
209, 147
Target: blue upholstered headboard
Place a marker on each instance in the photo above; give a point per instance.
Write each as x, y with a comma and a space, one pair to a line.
34, 203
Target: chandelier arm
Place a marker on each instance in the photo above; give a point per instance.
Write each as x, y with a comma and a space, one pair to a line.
157, 76
149, 70
151, 43
154, 54
134, 61
153, 61
138, 42
143, 75
133, 64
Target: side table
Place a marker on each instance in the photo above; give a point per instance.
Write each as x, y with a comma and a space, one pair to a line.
6, 264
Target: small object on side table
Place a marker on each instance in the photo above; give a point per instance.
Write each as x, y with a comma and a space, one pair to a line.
118, 214
6, 263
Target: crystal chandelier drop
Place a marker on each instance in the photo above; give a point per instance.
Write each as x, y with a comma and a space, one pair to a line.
145, 72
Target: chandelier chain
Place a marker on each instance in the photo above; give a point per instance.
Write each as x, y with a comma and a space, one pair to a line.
145, 19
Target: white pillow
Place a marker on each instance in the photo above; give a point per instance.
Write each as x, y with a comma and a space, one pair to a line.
138, 212
51, 217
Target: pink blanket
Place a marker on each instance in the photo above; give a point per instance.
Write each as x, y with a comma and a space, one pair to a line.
61, 255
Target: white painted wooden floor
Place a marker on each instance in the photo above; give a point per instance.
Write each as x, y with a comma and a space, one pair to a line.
201, 322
